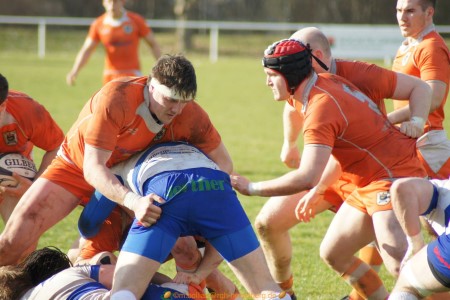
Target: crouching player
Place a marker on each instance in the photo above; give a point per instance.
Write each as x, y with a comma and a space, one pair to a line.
199, 200
425, 269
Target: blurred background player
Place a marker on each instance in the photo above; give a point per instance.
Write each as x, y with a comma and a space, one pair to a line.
24, 123
119, 31
425, 269
424, 54
377, 83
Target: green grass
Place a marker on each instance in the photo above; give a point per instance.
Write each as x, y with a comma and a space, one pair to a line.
233, 92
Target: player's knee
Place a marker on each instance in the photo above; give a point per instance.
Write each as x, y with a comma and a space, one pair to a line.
393, 267
326, 254
392, 257
400, 188
10, 253
264, 225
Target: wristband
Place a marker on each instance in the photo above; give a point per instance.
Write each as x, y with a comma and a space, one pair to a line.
418, 121
254, 188
130, 200
316, 191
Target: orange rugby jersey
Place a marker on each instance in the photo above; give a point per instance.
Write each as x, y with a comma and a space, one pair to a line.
376, 82
429, 59
25, 123
366, 145
117, 118
121, 41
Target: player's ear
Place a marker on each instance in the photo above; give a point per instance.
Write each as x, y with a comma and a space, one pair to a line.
318, 53
430, 11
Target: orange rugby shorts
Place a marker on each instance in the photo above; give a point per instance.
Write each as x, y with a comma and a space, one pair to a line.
371, 198
338, 192
109, 237
70, 178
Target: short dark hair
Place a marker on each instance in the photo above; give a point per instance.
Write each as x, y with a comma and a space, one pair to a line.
427, 3
176, 72
4, 88
43, 263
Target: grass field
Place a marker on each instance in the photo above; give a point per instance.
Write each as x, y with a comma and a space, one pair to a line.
233, 92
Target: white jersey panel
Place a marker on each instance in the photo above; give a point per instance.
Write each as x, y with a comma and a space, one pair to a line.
61, 285
136, 170
439, 217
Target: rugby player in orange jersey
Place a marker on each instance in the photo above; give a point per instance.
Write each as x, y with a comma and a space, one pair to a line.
123, 118
424, 54
24, 124
376, 82
119, 31
345, 134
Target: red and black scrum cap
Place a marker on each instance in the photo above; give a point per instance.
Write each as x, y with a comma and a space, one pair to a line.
292, 59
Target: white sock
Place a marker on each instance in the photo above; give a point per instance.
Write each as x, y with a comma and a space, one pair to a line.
123, 295
286, 297
402, 296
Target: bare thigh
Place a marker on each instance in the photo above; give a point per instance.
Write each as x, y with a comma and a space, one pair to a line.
420, 270
349, 231
278, 213
391, 240
250, 264
43, 205
133, 272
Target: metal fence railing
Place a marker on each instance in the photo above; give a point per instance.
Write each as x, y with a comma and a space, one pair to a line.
349, 41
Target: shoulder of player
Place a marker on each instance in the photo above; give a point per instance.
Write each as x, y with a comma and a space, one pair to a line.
131, 86
330, 86
135, 17
193, 108
17, 98
432, 40
354, 67
99, 20
432, 47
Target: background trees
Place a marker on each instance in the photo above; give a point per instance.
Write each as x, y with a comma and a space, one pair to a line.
297, 11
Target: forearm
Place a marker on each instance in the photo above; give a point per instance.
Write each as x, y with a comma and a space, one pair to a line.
314, 160
46, 161
288, 184
222, 158
100, 176
156, 51
209, 262
80, 61
399, 115
105, 182
330, 175
292, 125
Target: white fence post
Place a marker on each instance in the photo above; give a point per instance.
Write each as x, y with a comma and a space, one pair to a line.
41, 38
354, 41
214, 43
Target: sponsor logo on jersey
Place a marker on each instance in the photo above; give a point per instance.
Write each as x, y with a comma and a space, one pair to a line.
383, 198
196, 186
132, 131
10, 137
128, 29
